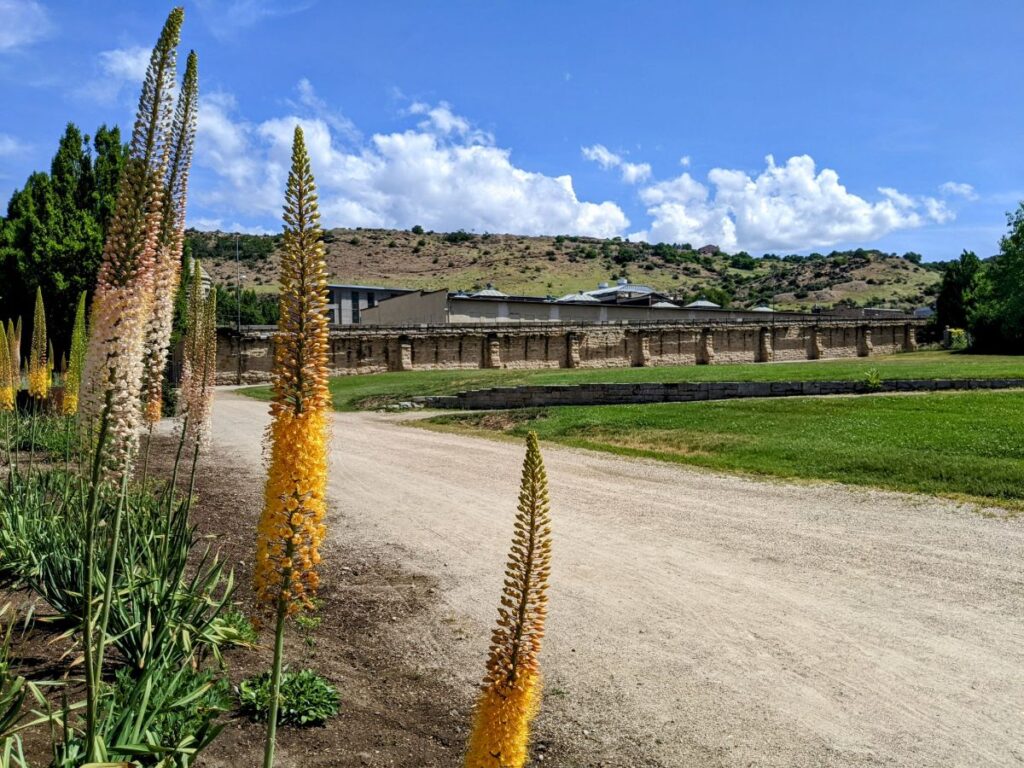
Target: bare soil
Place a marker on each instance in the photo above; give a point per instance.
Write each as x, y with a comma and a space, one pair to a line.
393, 713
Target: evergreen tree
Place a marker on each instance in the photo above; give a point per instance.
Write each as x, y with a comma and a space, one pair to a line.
52, 236
959, 292
997, 322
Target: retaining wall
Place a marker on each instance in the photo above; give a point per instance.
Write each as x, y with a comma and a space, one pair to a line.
683, 392
247, 357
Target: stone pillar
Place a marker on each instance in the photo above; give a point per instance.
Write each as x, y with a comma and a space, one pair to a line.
814, 344
493, 357
572, 347
909, 338
640, 349
864, 346
403, 360
706, 347
765, 349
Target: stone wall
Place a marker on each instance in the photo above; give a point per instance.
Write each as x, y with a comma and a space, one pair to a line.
356, 350
684, 392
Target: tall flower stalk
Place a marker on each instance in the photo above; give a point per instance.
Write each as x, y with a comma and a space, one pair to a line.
14, 340
291, 527
123, 300
167, 263
199, 363
76, 361
6, 374
511, 691
114, 363
38, 359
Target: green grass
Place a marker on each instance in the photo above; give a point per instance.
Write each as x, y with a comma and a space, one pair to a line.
967, 445
356, 392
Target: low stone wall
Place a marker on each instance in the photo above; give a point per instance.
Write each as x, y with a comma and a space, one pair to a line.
248, 357
683, 392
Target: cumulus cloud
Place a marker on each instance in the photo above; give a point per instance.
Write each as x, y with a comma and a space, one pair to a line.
22, 22
126, 64
122, 70
632, 173
685, 161
785, 207
959, 189
443, 174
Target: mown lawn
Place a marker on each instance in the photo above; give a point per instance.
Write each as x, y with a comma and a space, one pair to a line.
967, 445
357, 392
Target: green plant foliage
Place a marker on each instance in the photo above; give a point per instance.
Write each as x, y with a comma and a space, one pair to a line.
306, 698
240, 626
161, 719
958, 339
873, 379
257, 308
169, 598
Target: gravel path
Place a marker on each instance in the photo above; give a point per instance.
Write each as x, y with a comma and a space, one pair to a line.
700, 619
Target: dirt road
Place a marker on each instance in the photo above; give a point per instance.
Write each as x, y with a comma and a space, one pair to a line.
699, 619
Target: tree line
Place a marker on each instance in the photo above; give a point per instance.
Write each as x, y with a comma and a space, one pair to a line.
986, 297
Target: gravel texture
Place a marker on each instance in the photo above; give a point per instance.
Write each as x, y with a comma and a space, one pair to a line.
698, 618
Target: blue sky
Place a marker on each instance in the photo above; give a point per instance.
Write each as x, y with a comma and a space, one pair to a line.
779, 127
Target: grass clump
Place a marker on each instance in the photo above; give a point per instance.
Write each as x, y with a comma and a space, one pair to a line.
307, 699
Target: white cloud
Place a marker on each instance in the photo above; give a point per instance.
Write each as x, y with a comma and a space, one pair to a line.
226, 18
601, 155
632, 173
120, 71
685, 161
937, 210
959, 189
126, 64
787, 207
444, 174
312, 104
22, 22
10, 145
214, 224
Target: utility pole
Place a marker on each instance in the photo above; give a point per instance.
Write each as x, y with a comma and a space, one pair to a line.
238, 307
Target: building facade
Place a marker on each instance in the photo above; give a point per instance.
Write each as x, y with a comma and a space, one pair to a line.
346, 303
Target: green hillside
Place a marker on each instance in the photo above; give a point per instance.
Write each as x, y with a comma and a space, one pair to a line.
561, 264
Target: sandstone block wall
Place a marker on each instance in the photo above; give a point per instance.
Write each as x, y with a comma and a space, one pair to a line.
248, 357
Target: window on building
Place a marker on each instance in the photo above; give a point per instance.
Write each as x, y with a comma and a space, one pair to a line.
355, 306
371, 300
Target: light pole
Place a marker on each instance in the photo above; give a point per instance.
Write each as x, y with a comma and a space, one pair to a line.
238, 309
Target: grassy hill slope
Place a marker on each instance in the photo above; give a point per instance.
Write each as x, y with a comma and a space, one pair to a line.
559, 264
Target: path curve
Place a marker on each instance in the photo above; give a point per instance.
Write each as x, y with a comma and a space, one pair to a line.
701, 619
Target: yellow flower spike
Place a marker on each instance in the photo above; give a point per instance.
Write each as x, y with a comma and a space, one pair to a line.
38, 361
510, 698
6, 374
76, 361
289, 531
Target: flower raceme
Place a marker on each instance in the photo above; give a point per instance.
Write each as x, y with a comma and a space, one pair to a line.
167, 257
122, 303
76, 360
6, 376
199, 364
510, 698
38, 365
291, 527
